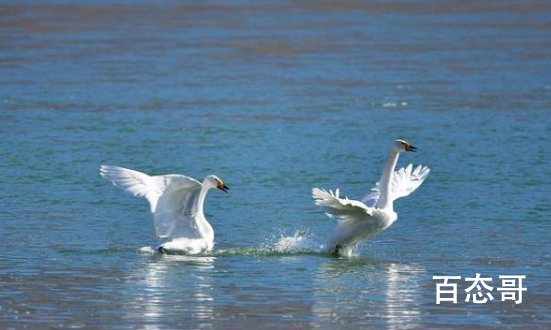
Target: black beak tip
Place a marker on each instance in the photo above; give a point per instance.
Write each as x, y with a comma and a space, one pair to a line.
412, 149
224, 188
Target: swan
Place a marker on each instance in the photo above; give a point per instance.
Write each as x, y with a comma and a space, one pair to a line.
176, 202
363, 219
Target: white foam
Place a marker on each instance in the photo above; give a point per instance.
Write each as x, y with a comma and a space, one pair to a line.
301, 240
146, 249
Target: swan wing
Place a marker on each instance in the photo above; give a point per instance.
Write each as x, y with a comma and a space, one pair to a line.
407, 180
404, 181
176, 207
343, 208
171, 197
136, 183
372, 198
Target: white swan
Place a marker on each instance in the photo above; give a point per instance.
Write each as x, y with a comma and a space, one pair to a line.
176, 202
363, 219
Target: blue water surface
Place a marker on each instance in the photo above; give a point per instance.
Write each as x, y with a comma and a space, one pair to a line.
275, 98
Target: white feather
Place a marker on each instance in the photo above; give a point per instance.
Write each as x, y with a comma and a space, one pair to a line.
175, 202
404, 182
366, 218
338, 207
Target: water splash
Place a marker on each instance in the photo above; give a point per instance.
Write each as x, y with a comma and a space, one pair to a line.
147, 250
301, 241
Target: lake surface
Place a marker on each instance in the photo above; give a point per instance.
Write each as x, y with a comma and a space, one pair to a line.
275, 98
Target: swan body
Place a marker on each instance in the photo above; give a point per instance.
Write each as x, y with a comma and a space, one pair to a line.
363, 219
176, 203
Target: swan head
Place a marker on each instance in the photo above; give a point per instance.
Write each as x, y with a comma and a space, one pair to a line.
212, 181
402, 145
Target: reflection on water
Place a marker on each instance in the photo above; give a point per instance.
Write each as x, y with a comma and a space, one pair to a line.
156, 298
386, 293
194, 291
402, 292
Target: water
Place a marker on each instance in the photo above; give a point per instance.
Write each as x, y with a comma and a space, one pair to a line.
275, 98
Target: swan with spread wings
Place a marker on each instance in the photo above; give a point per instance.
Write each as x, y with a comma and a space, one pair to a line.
360, 220
176, 203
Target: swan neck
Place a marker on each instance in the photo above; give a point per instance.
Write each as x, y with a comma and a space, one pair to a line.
201, 199
204, 228
384, 184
